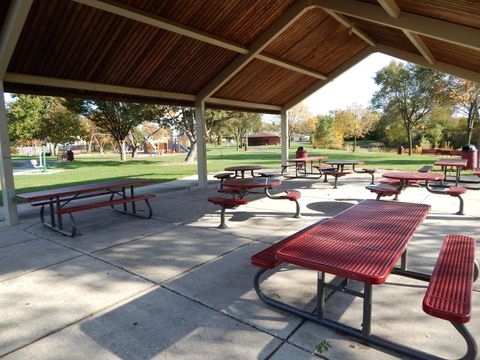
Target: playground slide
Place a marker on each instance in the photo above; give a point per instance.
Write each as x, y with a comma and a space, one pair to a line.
187, 150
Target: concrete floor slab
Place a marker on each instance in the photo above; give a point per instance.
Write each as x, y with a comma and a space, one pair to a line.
27, 256
38, 303
156, 325
172, 252
226, 284
15, 234
288, 352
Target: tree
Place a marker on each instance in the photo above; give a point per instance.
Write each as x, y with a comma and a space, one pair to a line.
355, 122
466, 95
410, 91
25, 114
116, 118
296, 115
242, 123
324, 130
60, 125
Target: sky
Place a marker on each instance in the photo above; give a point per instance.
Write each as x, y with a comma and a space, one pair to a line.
355, 86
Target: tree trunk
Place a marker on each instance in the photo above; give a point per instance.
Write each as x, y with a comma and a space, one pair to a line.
123, 156
354, 143
410, 143
134, 151
193, 151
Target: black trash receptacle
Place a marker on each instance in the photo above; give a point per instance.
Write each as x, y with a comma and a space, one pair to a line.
70, 155
301, 153
469, 152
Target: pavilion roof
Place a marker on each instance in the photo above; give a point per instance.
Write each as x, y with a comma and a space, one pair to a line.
256, 55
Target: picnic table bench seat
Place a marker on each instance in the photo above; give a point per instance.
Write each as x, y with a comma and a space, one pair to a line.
476, 171
226, 203
384, 190
128, 199
370, 171
449, 292
223, 176
455, 191
425, 168
336, 174
291, 195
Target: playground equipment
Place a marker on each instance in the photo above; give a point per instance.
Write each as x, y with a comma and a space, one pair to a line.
187, 150
42, 163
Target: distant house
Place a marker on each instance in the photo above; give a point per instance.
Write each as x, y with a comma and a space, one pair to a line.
263, 138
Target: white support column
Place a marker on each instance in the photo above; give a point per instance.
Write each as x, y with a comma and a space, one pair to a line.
284, 133
6, 172
201, 144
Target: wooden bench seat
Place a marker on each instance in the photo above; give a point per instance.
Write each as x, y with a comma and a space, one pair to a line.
449, 292
384, 190
71, 209
226, 203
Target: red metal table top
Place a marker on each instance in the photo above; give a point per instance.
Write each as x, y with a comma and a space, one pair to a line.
252, 183
308, 159
362, 243
405, 175
345, 162
452, 162
243, 168
103, 185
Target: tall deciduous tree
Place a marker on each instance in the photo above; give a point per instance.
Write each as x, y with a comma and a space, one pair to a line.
116, 118
59, 126
324, 131
296, 115
25, 115
466, 95
242, 123
355, 122
411, 92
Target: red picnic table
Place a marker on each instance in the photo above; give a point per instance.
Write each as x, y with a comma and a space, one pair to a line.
301, 166
58, 199
458, 164
362, 243
242, 168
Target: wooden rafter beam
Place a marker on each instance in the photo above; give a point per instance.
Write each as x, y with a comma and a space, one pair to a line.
438, 65
267, 37
291, 66
344, 21
423, 25
392, 9
244, 104
12, 27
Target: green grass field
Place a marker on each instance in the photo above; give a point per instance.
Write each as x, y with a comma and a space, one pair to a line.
91, 168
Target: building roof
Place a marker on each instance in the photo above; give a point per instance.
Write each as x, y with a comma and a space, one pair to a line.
257, 55
262, 134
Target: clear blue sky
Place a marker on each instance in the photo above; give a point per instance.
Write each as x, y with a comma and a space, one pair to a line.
355, 86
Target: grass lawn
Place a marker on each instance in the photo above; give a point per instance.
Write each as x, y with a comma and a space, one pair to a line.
91, 168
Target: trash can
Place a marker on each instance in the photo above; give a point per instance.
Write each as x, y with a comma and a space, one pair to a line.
400, 150
70, 155
469, 152
301, 153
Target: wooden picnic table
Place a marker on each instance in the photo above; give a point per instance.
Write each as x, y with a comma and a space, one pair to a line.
57, 200
458, 164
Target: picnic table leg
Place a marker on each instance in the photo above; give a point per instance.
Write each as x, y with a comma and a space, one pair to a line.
132, 194
59, 216
320, 294
124, 195
367, 309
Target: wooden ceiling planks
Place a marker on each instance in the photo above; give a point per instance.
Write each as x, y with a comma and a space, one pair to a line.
92, 45
463, 12
262, 82
453, 54
240, 21
385, 35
